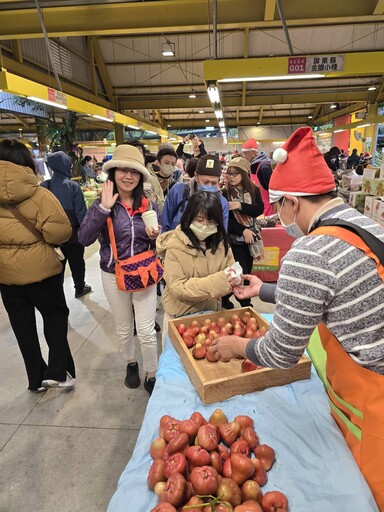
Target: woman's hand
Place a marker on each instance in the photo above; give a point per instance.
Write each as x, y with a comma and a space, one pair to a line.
226, 348
108, 198
153, 233
234, 205
249, 236
250, 290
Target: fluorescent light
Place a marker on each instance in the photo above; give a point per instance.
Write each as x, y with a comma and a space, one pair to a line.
219, 113
201, 111
258, 122
268, 78
47, 102
169, 125
363, 125
210, 128
152, 133
213, 93
338, 131
221, 124
168, 49
132, 127
372, 88
103, 118
333, 105
207, 120
310, 117
192, 96
167, 53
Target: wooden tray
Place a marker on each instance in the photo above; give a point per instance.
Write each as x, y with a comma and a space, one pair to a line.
216, 382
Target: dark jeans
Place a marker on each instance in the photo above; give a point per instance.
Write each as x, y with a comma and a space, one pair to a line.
74, 254
242, 255
47, 297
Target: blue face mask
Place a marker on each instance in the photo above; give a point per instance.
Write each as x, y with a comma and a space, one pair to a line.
208, 188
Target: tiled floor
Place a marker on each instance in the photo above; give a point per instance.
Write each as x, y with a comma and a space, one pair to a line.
64, 451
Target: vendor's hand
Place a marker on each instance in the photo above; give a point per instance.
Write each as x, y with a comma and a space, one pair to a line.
249, 236
234, 205
108, 198
250, 290
226, 348
153, 233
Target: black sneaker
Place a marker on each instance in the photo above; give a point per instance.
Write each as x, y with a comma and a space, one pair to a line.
132, 379
227, 304
86, 289
149, 384
157, 327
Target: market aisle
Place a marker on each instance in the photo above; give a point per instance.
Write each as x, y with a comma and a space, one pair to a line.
66, 450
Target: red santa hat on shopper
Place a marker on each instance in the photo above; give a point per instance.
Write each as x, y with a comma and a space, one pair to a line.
301, 169
250, 145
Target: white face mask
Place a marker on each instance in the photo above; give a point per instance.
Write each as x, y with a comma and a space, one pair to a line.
291, 229
203, 231
167, 170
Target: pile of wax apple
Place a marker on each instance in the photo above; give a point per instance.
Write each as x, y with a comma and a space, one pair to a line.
199, 336
216, 466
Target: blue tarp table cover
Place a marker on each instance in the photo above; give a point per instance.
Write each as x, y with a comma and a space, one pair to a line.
314, 466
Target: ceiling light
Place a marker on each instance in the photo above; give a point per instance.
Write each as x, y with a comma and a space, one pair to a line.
219, 113
372, 88
152, 133
258, 122
338, 131
207, 120
168, 49
310, 117
221, 124
192, 96
201, 111
363, 125
169, 125
103, 118
133, 127
213, 93
333, 105
268, 78
47, 102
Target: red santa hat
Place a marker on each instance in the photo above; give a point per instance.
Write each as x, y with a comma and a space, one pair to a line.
250, 145
301, 169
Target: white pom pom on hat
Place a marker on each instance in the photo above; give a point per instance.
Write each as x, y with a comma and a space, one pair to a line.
280, 155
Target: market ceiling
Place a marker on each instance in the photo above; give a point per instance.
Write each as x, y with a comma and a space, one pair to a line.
114, 54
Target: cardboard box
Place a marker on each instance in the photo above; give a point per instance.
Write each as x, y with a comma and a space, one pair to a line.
371, 173
357, 200
218, 381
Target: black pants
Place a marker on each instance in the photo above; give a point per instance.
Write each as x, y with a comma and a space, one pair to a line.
242, 255
74, 254
47, 297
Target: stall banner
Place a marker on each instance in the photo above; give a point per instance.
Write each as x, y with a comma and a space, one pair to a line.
270, 261
325, 63
57, 97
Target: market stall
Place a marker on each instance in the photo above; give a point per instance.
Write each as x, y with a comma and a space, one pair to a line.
276, 244
313, 467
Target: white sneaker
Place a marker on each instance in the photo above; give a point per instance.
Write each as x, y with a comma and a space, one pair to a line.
69, 383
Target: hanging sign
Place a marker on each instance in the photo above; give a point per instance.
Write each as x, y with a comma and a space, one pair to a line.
321, 63
57, 97
110, 114
297, 65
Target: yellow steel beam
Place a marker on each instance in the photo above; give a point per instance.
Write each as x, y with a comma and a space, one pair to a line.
44, 78
243, 121
26, 88
246, 52
169, 16
355, 64
283, 98
17, 50
270, 7
344, 111
103, 72
379, 9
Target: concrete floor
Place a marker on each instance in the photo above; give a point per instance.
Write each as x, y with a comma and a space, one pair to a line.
64, 451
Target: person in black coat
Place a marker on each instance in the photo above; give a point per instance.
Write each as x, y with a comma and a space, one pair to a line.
71, 198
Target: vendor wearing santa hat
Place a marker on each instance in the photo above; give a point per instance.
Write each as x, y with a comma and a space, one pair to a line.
261, 171
332, 277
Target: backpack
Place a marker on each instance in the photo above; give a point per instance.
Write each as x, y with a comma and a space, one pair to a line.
184, 199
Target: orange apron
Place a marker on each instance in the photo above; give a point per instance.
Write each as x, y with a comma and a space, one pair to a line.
356, 394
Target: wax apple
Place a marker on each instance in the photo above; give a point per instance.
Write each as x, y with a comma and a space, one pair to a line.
158, 448
204, 480
260, 475
190, 428
188, 340
244, 421
229, 432
274, 501
217, 418
163, 507
240, 446
228, 490
163, 421
178, 443
181, 329
156, 473
175, 489
250, 436
208, 437
159, 489
242, 468
195, 501
249, 506
198, 418
171, 429
198, 351
250, 490
216, 461
176, 463
266, 454
197, 456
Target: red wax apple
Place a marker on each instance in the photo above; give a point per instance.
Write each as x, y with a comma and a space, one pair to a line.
249, 435
224, 452
227, 469
195, 501
229, 328
171, 429
229, 432
221, 322
244, 421
156, 473
188, 340
198, 456
210, 356
175, 489
163, 507
208, 437
198, 418
228, 490
249, 506
198, 351
178, 443
176, 463
240, 446
157, 448
181, 329
260, 475
266, 454
274, 501
189, 427
216, 461
204, 480
163, 421
242, 468
195, 323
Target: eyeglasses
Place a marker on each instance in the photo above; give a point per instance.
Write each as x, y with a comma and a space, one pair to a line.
132, 172
232, 174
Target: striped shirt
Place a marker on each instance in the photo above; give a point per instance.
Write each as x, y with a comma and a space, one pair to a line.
324, 279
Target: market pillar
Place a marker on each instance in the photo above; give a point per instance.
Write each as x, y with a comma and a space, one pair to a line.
119, 133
